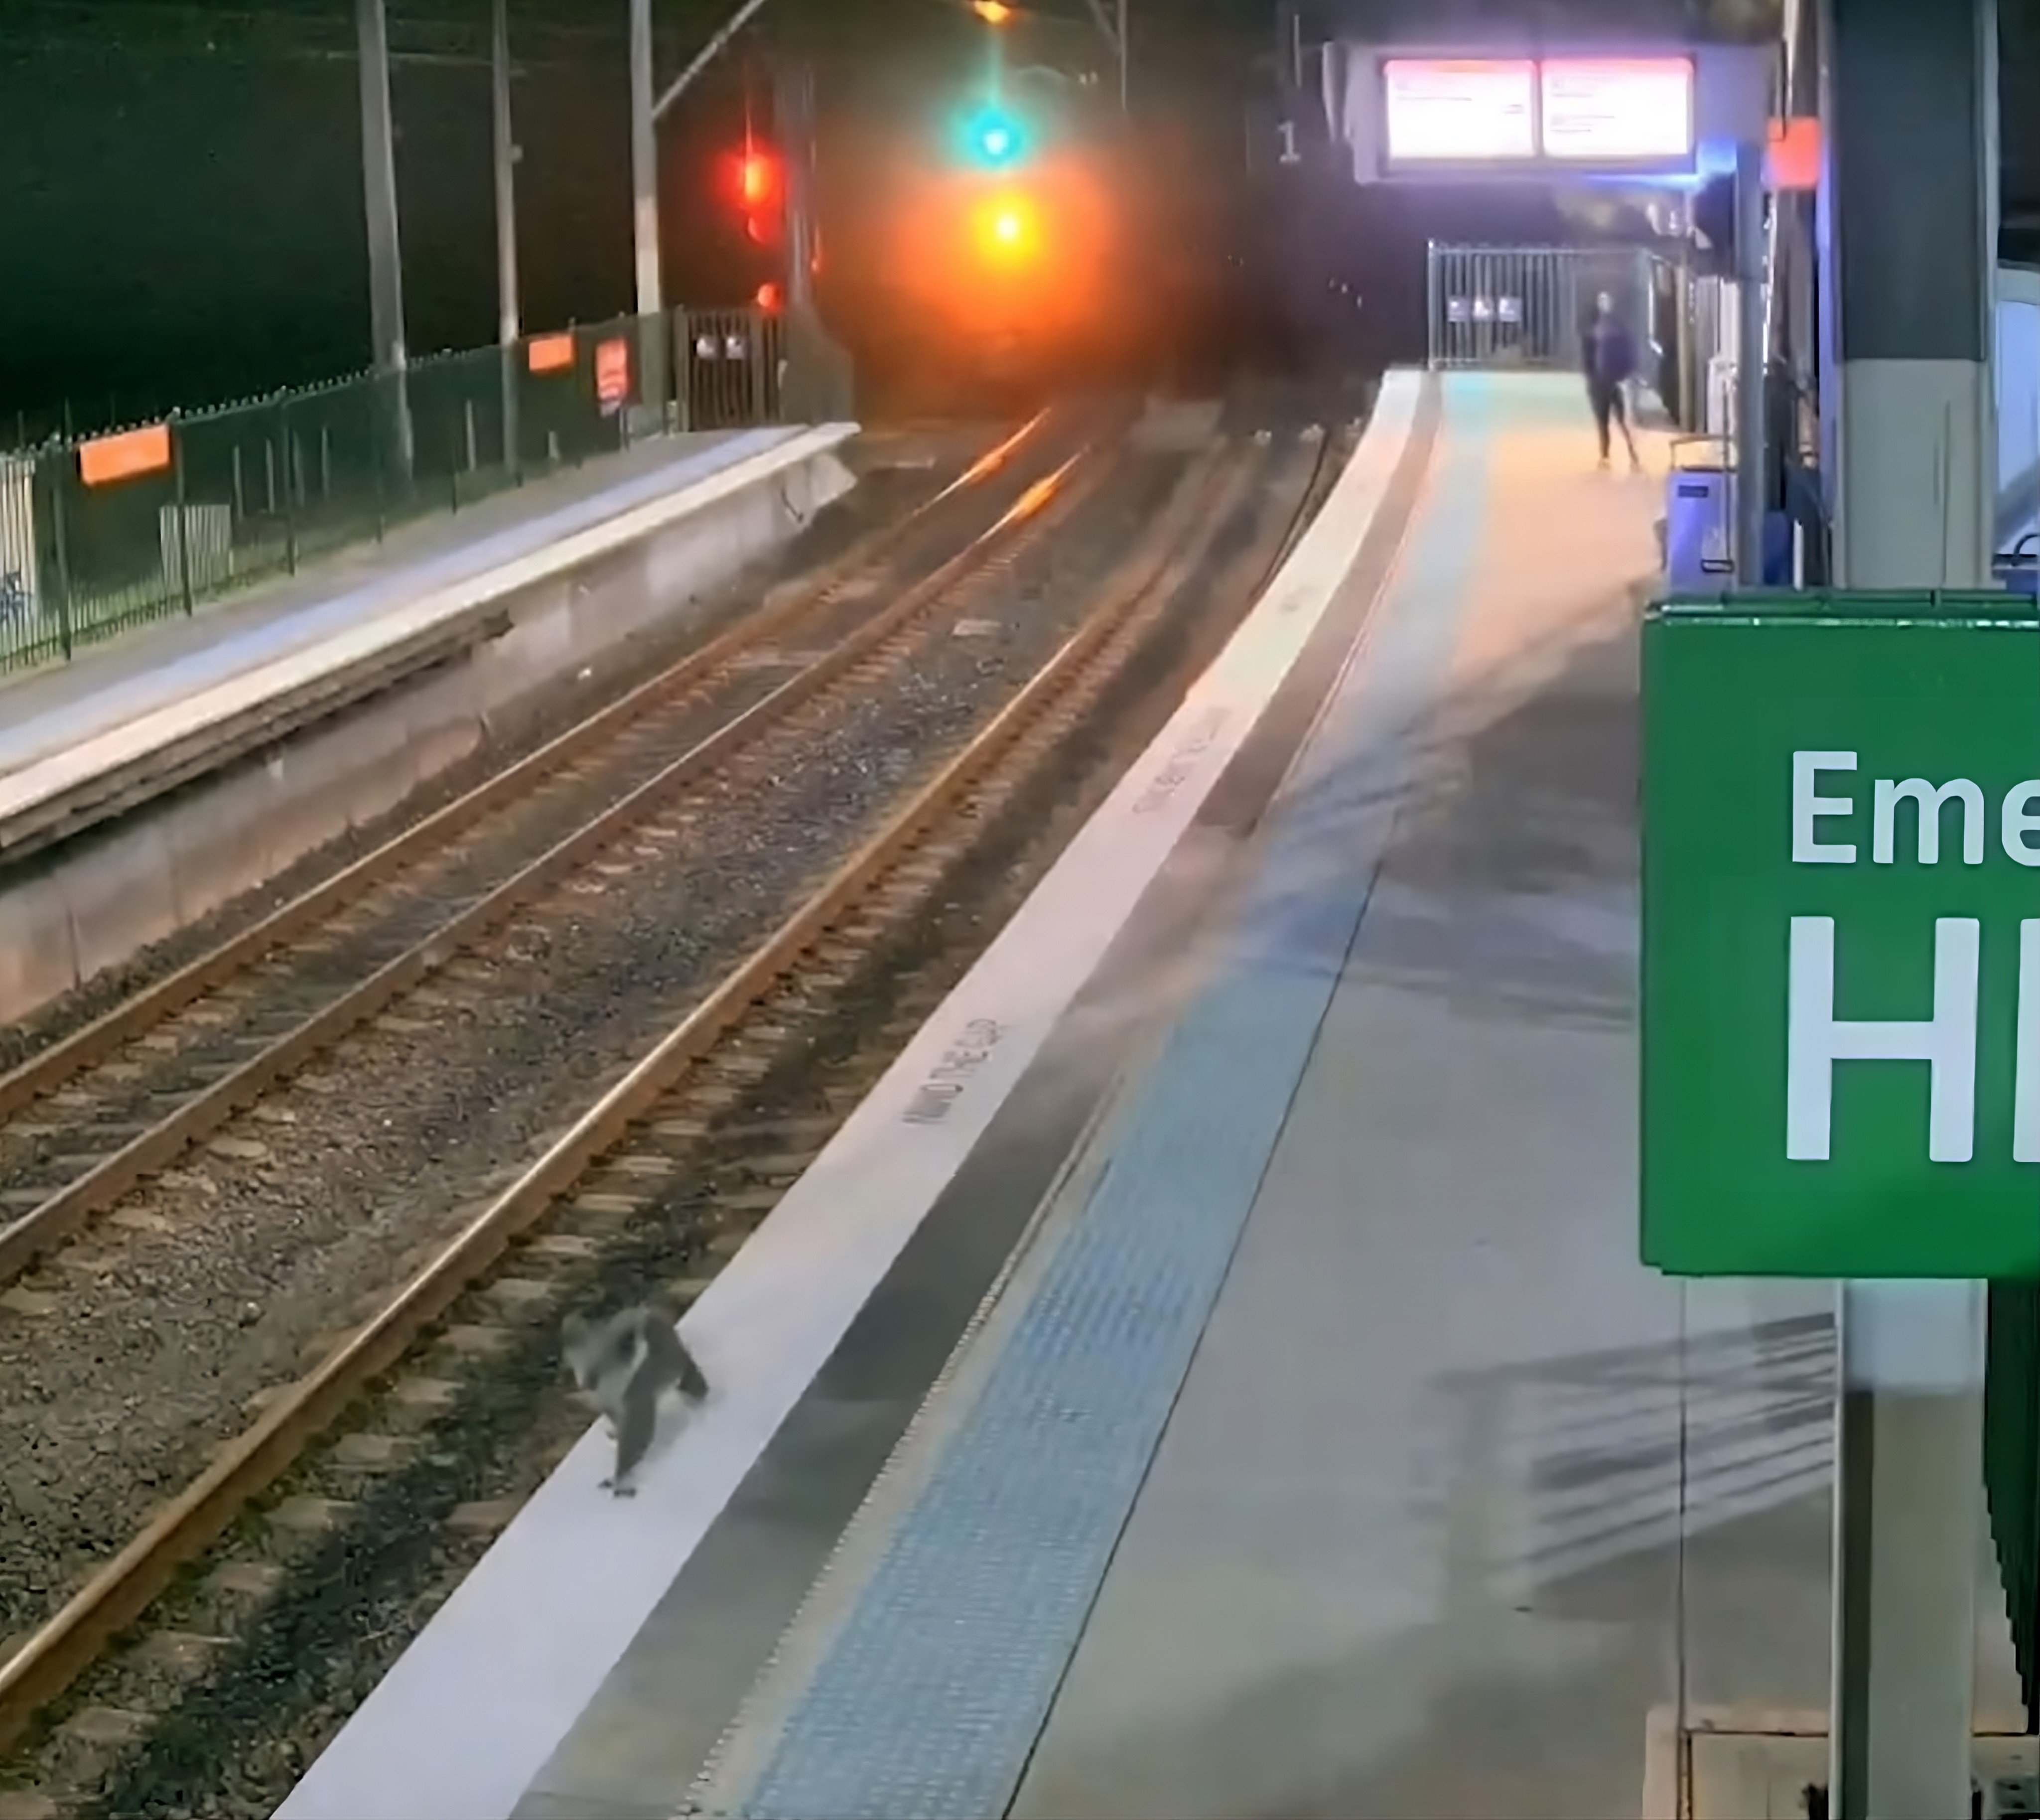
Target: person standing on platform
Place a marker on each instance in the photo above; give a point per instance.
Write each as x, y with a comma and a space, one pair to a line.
1608, 355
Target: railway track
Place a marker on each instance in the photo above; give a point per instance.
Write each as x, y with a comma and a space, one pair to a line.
90, 1117
658, 1181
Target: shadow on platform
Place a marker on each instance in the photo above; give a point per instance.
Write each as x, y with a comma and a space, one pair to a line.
1635, 1470
1510, 889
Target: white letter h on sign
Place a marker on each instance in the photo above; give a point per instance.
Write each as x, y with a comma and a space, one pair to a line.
1816, 1039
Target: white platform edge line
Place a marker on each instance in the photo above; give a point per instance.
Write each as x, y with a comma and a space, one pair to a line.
470, 1714
276, 636
162, 726
41, 779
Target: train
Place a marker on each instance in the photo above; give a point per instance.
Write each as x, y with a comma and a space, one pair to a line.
1081, 268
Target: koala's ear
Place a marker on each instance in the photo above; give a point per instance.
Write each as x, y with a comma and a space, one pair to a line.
573, 1328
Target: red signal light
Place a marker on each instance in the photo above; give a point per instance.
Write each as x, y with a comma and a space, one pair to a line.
760, 189
770, 297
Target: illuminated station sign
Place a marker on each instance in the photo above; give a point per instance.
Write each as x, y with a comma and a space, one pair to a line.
1441, 111
1549, 113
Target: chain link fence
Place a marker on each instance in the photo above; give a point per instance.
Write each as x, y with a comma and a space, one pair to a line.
101, 533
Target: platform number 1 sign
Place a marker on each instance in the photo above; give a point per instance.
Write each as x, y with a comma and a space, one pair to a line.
1841, 937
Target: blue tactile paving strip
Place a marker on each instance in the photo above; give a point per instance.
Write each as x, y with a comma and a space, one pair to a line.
928, 1701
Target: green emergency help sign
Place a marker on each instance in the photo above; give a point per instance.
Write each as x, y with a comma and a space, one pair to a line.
1841, 935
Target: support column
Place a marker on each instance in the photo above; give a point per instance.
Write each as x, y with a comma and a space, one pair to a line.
652, 336
1909, 1518
813, 387
1908, 235
793, 112
1906, 230
386, 270
509, 327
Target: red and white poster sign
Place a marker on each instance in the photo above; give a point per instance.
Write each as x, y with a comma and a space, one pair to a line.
612, 373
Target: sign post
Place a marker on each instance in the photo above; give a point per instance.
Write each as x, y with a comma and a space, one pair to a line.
386, 268
1841, 1069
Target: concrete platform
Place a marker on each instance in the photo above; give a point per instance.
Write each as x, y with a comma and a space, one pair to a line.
1330, 1453
1250, 1404
59, 728
108, 684
1408, 1546
158, 778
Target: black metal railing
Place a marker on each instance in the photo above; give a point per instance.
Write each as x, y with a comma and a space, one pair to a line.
99, 534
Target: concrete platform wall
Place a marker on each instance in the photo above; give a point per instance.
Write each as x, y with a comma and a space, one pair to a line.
71, 911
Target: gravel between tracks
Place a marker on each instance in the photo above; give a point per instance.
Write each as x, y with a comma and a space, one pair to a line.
232, 1272
230, 1741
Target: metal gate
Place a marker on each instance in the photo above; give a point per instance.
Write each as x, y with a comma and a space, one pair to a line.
729, 366
1529, 305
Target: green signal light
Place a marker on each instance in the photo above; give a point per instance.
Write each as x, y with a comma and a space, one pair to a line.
994, 140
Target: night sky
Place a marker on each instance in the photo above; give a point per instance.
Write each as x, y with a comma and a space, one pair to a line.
181, 207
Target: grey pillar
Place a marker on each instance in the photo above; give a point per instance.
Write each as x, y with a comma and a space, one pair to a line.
1907, 238
644, 163
509, 326
378, 176
644, 213
1908, 252
813, 387
794, 116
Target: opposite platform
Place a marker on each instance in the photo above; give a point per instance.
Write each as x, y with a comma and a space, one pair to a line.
113, 708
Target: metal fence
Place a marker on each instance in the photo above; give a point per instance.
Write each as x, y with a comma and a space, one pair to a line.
103, 533
1528, 305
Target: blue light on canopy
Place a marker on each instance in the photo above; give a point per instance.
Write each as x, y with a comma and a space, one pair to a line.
1712, 157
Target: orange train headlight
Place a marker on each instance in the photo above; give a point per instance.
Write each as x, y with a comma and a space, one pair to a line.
1008, 228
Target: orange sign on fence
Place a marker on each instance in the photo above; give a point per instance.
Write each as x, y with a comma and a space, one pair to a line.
105, 459
612, 372
550, 353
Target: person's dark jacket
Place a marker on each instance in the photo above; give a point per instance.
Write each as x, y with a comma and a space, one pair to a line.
1608, 352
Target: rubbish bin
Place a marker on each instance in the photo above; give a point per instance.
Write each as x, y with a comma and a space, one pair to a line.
1699, 516
1700, 523
2018, 568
